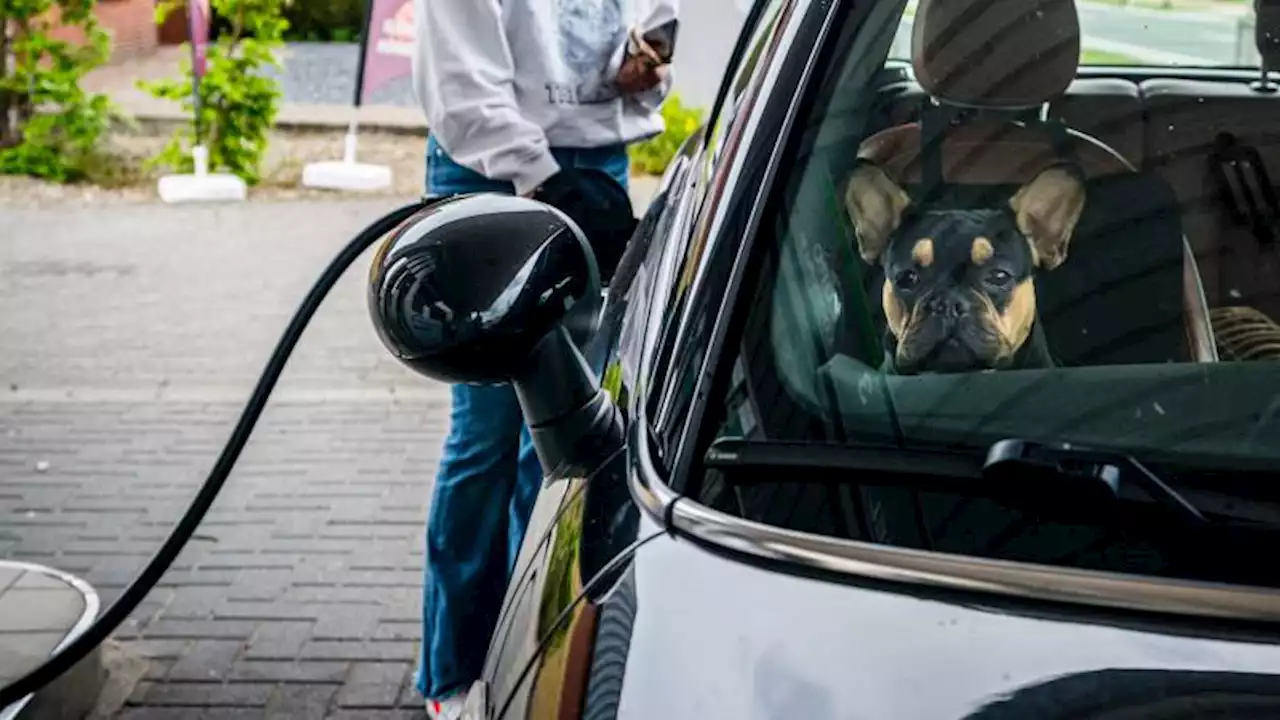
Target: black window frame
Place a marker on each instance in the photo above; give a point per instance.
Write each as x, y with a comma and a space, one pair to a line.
736, 150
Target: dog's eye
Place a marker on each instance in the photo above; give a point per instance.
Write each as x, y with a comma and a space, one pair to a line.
999, 277
906, 279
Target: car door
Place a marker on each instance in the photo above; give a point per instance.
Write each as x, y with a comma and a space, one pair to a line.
542, 661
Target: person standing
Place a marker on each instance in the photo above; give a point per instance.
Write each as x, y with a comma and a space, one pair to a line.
514, 91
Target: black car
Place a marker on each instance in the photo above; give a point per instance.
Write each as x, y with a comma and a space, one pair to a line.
796, 488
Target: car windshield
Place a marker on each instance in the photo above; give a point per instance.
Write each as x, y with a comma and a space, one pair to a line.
1036, 219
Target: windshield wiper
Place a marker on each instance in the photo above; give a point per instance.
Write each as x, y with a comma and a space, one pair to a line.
1061, 477
1042, 482
1072, 470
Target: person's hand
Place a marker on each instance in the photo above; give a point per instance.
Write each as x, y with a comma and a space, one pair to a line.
642, 69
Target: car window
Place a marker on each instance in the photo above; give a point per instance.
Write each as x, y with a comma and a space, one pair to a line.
685, 332
999, 240
1158, 33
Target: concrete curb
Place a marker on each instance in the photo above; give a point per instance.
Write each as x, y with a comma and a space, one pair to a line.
149, 111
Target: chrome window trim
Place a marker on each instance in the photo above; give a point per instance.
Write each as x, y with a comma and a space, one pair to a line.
758, 196
856, 559
853, 558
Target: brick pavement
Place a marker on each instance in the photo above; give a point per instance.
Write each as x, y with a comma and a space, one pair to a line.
132, 334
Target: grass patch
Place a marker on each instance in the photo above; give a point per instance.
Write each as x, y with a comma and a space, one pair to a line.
1103, 57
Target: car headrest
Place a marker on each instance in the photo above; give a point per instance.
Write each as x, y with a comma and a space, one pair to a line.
1266, 32
999, 54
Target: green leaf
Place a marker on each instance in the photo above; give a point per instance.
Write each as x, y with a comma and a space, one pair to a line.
238, 101
60, 140
654, 155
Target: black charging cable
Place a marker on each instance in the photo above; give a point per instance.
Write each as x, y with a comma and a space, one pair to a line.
96, 633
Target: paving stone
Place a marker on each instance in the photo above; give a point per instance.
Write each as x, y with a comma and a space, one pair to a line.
192, 603
206, 660
151, 649
165, 628
398, 630
204, 694
402, 612
259, 586
266, 612
409, 695
289, 671
389, 651
336, 595
373, 685
345, 624
279, 641
387, 714
390, 577
186, 713
300, 701
198, 578
149, 609
157, 669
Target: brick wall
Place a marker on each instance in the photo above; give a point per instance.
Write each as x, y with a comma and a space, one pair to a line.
131, 24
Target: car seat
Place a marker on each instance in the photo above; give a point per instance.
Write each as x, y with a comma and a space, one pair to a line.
1129, 291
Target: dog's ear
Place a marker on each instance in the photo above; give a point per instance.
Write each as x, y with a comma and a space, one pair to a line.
1047, 210
875, 204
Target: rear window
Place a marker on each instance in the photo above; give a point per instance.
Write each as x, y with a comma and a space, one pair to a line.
1186, 33
984, 259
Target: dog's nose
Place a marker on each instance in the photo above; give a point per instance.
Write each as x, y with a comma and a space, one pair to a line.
949, 306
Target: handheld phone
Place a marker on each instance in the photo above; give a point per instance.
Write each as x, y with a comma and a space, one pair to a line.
663, 39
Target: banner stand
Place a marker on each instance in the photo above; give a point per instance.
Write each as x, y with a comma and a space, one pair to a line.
347, 174
201, 185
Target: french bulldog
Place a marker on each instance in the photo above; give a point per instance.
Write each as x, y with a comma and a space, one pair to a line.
959, 289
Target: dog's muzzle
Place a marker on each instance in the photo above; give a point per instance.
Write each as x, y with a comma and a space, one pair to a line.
950, 333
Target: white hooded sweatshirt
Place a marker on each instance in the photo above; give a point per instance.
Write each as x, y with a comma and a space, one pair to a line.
504, 81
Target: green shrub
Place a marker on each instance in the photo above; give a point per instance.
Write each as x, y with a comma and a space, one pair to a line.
49, 126
325, 20
653, 155
238, 101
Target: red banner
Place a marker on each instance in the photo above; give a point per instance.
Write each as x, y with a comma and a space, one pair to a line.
388, 51
198, 20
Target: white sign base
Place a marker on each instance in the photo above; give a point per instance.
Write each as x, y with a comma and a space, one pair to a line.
202, 186
347, 174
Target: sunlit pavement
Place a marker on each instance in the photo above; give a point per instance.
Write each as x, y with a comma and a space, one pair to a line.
132, 335
1158, 37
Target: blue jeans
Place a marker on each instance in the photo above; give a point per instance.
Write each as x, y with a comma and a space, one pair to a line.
488, 480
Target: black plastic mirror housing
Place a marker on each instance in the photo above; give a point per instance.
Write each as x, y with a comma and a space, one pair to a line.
487, 289
462, 291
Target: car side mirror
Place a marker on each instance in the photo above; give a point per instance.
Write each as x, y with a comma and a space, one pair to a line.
488, 289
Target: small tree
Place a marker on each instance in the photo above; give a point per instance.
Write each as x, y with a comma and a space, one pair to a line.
238, 101
49, 126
